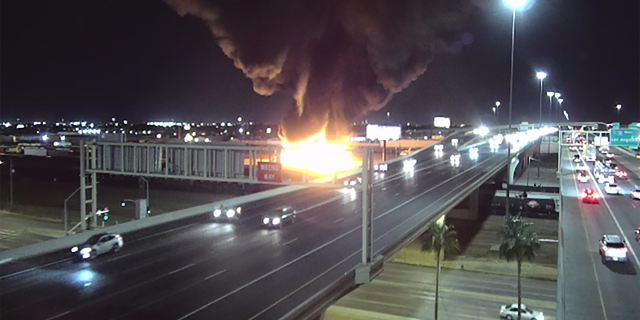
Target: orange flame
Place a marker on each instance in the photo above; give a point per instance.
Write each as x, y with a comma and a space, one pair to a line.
318, 155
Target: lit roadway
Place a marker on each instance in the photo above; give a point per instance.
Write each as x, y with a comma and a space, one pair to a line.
595, 290
207, 270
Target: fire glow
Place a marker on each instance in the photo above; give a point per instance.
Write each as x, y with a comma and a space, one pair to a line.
318, 155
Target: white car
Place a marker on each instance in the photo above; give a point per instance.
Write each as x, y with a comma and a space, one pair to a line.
613, 248
510, 312
582, 167
635, 194
609, 155
583, 177
98, 244
438, 147
611, 188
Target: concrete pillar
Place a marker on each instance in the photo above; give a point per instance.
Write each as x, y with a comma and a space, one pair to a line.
474, 204
320, 316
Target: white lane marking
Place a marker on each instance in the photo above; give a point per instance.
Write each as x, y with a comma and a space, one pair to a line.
397, 194
118, 257
215, 274
289, 242
180, 269
35, 268
338, 220
60, 315
586, 233
163, 232
322, 246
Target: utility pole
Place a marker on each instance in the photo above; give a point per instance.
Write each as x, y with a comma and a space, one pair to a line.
11, 181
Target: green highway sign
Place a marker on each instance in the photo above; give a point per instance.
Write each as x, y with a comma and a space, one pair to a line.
624, 137
616, 125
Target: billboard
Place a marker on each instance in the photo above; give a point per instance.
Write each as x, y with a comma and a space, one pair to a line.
442, 122
270, 171
376, 132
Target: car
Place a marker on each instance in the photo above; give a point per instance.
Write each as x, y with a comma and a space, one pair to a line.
635, 194
98, 244
227, 213
455, 157
381, 167
621, 174
352, 182
438, 148
408, 164
637, 232
279, 217
583, 176
588, 196
510, 312
576, 158
573, 148
609, 154
582, 167
611, 188
406, 152
613, 248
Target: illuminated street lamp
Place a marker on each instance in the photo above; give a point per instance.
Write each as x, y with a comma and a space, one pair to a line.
514, 5
559, 106
541, 76
619, 106
557, 95
497, 112
550, 94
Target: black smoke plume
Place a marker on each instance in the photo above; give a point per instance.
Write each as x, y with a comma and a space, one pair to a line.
338, 58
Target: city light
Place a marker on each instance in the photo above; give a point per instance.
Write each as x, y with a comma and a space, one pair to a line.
541, 75
516, 4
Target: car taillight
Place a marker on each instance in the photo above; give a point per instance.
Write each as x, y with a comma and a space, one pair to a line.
624, 249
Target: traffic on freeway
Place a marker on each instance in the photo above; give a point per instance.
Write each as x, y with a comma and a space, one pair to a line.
601, 251
212, 268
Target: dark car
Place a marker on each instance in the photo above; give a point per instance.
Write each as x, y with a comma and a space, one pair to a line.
279, 217
588, 196
227, 213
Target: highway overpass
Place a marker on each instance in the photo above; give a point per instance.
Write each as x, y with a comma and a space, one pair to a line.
198, 269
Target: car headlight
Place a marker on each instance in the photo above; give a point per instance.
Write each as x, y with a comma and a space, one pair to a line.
275, 221
346, 183
230, 213
265, 221
217, 212
85, 251
353, 182
74, 249
239, 209
376, 167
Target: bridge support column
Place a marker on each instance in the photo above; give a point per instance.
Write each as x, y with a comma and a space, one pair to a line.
363, 272
474, 204
320, 316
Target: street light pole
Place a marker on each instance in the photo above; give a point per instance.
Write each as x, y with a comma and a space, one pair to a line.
498, 112
557, 95
513, 40
550, 94
619, 106
541, 75
560, 100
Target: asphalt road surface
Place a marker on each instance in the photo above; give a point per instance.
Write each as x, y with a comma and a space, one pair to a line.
209, 270
593, 289
405, 292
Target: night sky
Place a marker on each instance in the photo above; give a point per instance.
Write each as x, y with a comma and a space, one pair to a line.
141, 61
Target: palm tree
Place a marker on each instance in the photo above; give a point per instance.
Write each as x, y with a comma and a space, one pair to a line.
518, 243
439, 238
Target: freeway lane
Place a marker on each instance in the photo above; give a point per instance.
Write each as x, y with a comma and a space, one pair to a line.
215, 269
594, 289
409, 292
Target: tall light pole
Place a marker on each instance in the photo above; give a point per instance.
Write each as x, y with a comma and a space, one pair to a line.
515, 5
560, 100
498, 112
619, 107
541, 75
550, 94
557, 95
